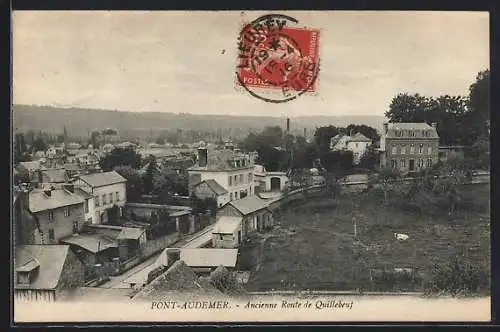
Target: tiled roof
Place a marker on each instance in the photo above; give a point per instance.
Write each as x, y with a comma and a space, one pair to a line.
209, 257
91, 242
249, 204
54, 175
215, 186
40, 201
49, 258
227, 225
103, 179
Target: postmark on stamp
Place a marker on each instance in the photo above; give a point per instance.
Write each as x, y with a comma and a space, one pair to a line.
273, 55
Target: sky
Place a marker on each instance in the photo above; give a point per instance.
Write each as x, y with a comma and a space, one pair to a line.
184, 62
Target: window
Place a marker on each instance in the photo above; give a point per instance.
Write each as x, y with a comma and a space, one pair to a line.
96, 201
51, 235
110, 197
357, 144
403, 149
104, 202
429, 149
86, 206
51, 215
231, 196
66, 211
420, 163
394, 163
429, 162
412, 149
117, 194
403, 163
75, 227
411, 133
221, 237
235, 180
394, 149
230, 180
420, 149
235, 195
241, 178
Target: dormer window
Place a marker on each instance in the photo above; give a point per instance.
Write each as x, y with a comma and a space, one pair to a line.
27, 272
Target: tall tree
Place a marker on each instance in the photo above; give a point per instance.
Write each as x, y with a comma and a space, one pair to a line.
367, 131
134, 184
478, 119
322, 137
120, 157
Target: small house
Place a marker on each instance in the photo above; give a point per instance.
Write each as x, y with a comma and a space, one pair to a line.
227, 232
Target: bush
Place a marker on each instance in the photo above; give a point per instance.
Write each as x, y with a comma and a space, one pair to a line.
459, 277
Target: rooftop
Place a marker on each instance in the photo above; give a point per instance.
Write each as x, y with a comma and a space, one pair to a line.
223, 160
49, 259
103, 179
215, 186
91, 242
209, 257
398, 129
40, 201
249, 204
30, 165
54, 175
130, 233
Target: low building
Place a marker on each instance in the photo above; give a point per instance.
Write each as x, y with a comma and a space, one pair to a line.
356, 143
227, 232
46, 272
254, 211
206, 260
29, 170
53, 177
445, 151
211, 189
269, 181
180, 218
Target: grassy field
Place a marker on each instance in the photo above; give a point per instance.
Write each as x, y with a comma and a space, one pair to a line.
314, 247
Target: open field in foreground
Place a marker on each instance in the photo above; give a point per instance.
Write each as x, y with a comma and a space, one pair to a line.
314, 247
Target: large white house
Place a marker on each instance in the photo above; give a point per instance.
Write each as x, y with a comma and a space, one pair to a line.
233, 172
357, 143
101, 192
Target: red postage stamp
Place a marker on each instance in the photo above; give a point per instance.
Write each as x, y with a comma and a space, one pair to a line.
275, 56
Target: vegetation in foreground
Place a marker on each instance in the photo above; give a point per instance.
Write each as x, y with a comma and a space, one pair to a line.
316, 246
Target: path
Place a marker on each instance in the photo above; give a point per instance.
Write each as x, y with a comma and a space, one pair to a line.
116, 281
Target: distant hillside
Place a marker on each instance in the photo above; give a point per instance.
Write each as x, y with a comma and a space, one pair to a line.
79, 122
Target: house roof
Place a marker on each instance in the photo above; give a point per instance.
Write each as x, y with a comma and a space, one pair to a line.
358, 137
209, 257
419, 126
227, 225
40, 201
130, 233
54, 175
50, 258
214, 186
91, 242
222, 160
103, 179
249, 204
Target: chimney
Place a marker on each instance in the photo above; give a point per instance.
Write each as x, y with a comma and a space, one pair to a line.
173, 255
434, 125
305, 132
287, 125
386, 126
48, 192
202, 156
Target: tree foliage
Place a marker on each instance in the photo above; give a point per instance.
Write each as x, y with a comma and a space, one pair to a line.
120, 157
134, 185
